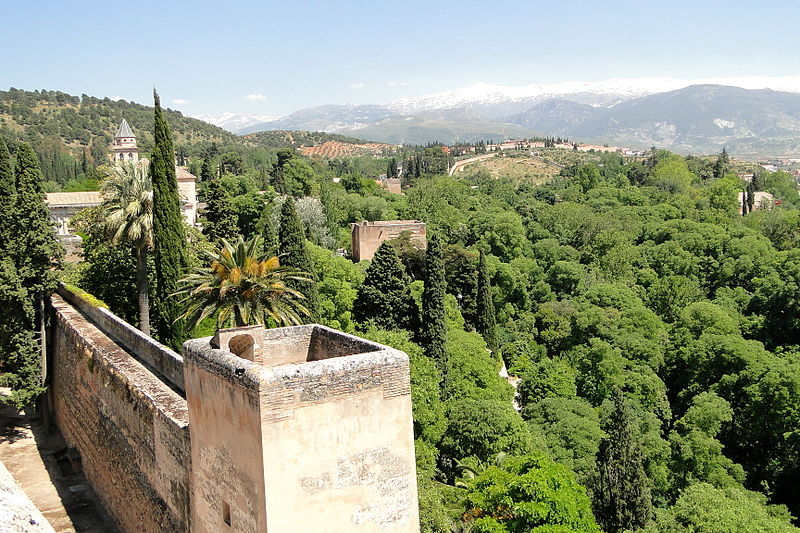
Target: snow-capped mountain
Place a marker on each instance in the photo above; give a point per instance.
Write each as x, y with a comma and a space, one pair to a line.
234, 121
606, 93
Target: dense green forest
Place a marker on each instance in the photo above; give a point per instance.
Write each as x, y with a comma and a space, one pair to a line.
649, 328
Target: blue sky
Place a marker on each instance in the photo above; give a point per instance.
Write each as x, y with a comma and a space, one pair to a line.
276, 57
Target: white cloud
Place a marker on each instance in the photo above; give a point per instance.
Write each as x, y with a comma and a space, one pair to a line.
358, 85
179, 101
116, 98
396, 83
255, 96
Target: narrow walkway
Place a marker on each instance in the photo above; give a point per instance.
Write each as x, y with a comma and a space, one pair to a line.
41, 465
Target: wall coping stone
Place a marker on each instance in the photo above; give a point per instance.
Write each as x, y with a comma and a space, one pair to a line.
167, 363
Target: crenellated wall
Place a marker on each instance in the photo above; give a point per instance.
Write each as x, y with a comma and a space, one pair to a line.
130, 427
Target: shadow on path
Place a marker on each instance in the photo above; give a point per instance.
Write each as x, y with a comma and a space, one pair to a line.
50, 474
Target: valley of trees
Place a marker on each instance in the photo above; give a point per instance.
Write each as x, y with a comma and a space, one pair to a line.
650, 330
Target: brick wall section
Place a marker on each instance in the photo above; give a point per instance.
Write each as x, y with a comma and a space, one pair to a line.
165, 362
130, 428
368, 236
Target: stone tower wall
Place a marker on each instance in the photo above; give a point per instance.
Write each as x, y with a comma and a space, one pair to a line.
368, 236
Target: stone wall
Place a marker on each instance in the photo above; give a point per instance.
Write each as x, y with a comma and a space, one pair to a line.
130, 427
368, 236
164, 362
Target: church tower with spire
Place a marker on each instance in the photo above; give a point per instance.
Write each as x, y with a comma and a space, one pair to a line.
124, 147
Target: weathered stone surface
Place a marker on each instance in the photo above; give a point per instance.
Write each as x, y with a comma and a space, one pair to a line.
368, 236
322, 430
17, 512
130, 428
152, 353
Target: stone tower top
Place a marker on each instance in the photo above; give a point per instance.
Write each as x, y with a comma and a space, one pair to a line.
124, 147
302, 428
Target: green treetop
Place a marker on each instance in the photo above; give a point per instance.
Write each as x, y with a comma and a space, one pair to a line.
8, 198
486, 323
384, 299
622, 490
206, 172
36, 250
293, 253
26, 272
220, 216
19, 365
168, 233
433, 332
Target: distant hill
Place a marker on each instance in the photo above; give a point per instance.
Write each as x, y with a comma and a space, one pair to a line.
377, 123
699, 118
91, 122
556, 116
329, 118
298, 139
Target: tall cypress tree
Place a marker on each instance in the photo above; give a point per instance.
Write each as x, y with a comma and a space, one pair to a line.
36, 250
268, 236
26, 272
433, 322
8, 200
20, 363
486, 321
206, 173
220, 216
385, 299
169, 236
622, 498
293, 253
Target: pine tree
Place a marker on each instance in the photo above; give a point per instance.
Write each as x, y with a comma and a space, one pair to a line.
20, 364
268, 236
293, 253
486, 322
220, 216
36, 250
744, 201
206, 172
433, 318
385, 299
26, 272
751, 197
462, 281
8, 200
622, 498
169, 235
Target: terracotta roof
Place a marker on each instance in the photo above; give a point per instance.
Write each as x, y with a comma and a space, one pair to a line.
86, 198
124, 130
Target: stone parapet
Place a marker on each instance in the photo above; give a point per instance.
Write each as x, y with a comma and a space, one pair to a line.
130, 428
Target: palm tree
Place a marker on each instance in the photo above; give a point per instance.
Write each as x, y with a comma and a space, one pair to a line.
128, 203
243, 287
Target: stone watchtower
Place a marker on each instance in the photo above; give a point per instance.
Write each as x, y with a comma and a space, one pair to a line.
124, 146
299, 429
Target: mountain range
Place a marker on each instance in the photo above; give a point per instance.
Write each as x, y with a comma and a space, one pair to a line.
697, 118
